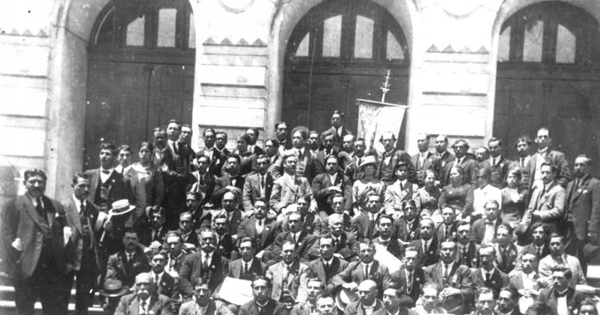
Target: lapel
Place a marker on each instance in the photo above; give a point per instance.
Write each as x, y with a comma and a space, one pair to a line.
291, 184
135, 306
265, 233
29, 208
582, 187
73, 215
94, 183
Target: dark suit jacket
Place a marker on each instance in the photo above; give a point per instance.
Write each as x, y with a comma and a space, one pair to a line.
225, 246
208, 185
414, 291
94, 224
347, 246
221, 188
354, 273
130, 305
305, 247
21, 220
317, 269
272, 308
251, 190
498, 281
499, 171
479, 227
393, 246
337, 139
441, 230
320, 188
167, 286
459, 278
213, 308
248, 229
431, 256
175, 179
236, 269
470, 258
120, 269
507, 263
217, 161
356, 308
432, 162
547, 303
470, 168
583, 207
408, 233
366, 229
118, 188
192, 269
385, 169
319, 159
553, 157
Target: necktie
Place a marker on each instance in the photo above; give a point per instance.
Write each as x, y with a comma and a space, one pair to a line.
327, 266
143, 312
82, 208
205, 264
294, 238
336, 243
366, 271
245, 267
156, 281
522, 162
539, 252
40, 208
447, 232
488, 276
425, 247
446, 271
409, 281
129, 258
262, 182
105, 172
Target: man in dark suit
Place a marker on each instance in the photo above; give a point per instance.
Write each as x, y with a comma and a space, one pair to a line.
232, 178
582, 207
540, 235
385, 226
153, 234
560, 294
410, 277
129, 262
390, 158
145, 300
185, 140
329, 148
392, 302
219, 154
259, 227
208, 135
202, 181
367, 293
176, 253
107, 185
282, 132
454, 278
205, 264
522, 145
409, 225
89, 223
547, 200
506, 250
203, 303
38, 248
247, 267
231, 202
545, 155
272, 152
497, 163
186, 229
508, 301
327, 184
328, 265
445, 157
175, 168
258, 184
337, 130
425, 160
485, 302
262, 304
297, 235
466, 248
488, 276
165, 284
225, 241
449, 226
367, 268
465, 160
253, 134
484, 229
344, 243
427, 245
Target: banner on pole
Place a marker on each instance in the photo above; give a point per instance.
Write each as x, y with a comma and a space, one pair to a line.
375, 118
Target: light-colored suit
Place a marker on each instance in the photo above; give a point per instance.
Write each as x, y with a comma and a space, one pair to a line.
550, 203
296, 280
552, 157
130, 305
288, 190
394, 196
252, 190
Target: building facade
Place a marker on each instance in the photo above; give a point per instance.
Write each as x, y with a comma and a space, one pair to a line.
78, 72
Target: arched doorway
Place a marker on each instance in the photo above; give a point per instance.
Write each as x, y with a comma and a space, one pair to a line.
548, 65
140, 72
338, 52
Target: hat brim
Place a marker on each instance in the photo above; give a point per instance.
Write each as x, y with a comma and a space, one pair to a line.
363, 164
124, 290
345, 297
113, 213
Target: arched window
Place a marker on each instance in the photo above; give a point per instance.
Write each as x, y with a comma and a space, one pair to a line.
140, 73
339, 51
548, 65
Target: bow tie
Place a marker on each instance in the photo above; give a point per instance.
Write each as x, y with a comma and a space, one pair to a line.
559, 294
384, 243
105, 172
488, 222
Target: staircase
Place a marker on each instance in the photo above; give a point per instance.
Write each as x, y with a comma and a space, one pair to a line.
7, 300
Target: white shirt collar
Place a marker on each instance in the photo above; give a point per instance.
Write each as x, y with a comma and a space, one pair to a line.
330, 261
78, 203
249, 263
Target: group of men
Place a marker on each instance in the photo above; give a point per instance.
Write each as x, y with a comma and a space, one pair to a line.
163, 236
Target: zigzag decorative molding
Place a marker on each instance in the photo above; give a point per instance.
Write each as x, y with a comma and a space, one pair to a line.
28, 33
465, 50
211, 41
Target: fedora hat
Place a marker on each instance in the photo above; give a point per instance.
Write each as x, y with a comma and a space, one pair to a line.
370, 159
113, 288
345, 297
121, 207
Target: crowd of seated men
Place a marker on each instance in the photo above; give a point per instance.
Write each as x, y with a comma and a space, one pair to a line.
313, 219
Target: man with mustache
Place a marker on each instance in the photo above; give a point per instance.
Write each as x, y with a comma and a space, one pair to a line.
145, 299
262, 302
36, 242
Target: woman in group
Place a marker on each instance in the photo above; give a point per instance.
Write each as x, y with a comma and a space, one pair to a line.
429, 195
458, 194
366, 183
513, 198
